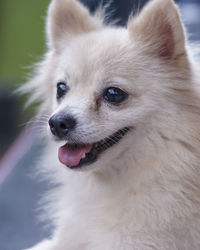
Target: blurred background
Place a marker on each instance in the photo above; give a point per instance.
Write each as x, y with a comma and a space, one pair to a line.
22, 43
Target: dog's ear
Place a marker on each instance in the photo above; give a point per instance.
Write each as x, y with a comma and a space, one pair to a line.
66, 19
159, 29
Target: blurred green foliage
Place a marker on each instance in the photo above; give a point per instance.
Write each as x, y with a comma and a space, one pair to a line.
22, 43
22, 37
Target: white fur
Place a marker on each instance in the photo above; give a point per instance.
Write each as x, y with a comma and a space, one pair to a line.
144, 192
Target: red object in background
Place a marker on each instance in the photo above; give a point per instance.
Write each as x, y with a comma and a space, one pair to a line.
16, 151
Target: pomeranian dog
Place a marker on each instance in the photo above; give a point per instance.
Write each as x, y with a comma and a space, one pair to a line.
123, 144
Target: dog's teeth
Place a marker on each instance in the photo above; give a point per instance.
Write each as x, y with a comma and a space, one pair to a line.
84, 155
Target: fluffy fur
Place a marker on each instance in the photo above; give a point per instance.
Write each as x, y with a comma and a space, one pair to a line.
144, 192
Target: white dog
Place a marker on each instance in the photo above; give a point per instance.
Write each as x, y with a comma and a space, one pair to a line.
124, 118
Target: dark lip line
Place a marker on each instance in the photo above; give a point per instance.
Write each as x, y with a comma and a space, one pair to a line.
98, 149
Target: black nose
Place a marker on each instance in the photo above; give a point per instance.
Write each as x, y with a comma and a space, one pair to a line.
60, 125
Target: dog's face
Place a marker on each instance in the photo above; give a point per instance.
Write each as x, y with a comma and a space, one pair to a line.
96, 105
108, 85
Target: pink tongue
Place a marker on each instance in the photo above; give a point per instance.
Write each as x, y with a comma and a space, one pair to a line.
70, 155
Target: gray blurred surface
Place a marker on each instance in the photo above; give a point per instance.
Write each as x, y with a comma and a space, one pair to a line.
19, 196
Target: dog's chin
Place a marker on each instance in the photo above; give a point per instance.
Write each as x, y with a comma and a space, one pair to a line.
80, 156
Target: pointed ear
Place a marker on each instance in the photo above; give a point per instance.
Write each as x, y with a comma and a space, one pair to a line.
159, 29
68, 18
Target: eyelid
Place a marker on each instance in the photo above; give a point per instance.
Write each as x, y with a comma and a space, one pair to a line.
117, 82
124, 85
61, 81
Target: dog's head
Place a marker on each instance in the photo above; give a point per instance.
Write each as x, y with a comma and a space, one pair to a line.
105, 87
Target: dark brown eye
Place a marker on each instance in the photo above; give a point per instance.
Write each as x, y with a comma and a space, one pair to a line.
62, 89
114, 95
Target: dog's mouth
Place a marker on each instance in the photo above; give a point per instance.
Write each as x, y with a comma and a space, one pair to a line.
77, 156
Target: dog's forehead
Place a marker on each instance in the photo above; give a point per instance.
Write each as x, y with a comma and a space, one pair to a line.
96, 51
107, 41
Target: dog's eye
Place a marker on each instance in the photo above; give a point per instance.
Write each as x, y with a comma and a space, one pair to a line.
114, 95
61, 89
